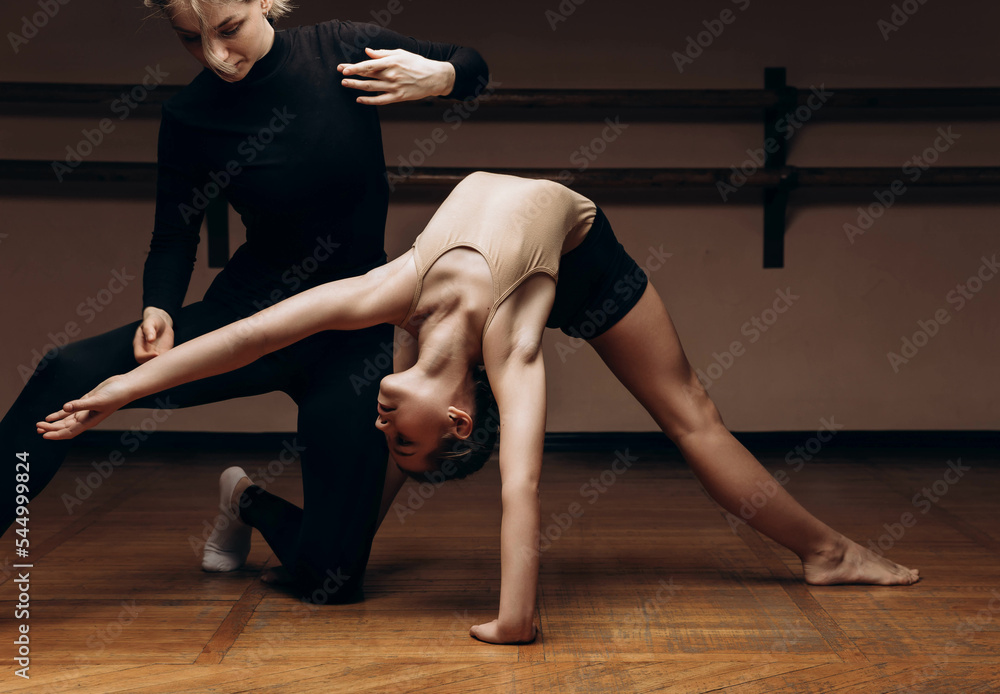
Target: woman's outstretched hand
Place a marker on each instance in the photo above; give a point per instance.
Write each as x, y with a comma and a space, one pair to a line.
399, 75
493, 633
154, 337
77, 416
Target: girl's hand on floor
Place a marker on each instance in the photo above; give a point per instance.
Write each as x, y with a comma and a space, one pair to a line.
79, 415
492, 633
154, 337
399, 75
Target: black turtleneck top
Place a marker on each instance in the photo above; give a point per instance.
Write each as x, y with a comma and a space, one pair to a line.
295, 155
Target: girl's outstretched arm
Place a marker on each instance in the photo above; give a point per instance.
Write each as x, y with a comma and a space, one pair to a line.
380, 296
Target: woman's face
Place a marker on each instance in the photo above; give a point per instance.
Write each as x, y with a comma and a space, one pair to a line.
413, 416
244, 35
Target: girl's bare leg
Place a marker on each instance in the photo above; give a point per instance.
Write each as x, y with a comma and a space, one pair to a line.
645, 354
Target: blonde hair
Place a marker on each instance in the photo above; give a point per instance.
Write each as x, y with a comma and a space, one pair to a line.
166, 8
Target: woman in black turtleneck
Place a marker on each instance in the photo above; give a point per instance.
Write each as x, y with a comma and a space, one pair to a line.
274, 127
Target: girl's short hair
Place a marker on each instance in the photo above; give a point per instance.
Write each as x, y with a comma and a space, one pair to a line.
166, 8
457, 458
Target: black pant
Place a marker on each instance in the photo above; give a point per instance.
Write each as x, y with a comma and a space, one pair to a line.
343, 456
599, 283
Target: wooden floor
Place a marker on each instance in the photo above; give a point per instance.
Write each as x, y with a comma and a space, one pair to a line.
648, 589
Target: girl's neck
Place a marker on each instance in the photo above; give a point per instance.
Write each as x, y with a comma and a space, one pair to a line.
449, 341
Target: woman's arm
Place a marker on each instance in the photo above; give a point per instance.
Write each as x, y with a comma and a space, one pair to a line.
176, 227
403, 68
382, 295
177, 220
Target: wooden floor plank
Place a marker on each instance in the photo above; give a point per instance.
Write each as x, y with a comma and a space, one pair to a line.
798, 592
647, 590
232, 626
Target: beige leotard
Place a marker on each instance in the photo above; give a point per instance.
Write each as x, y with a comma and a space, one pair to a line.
517, 224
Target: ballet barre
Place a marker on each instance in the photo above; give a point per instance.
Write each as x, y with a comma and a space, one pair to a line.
775, 106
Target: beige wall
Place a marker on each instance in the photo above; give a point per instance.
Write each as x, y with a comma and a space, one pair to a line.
824, 357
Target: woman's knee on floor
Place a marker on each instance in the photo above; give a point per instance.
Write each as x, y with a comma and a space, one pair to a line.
329, 585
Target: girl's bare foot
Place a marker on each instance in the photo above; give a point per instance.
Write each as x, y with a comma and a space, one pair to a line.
849, 562
277, 576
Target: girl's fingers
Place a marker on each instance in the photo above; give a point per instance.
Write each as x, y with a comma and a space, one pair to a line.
68, 409
65, 429
52, 425
94, 403
56, 416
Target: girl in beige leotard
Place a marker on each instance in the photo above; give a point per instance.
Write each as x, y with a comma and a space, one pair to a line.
475, 289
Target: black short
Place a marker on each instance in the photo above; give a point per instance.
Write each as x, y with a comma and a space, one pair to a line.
598, 284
